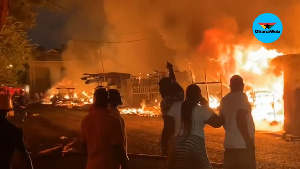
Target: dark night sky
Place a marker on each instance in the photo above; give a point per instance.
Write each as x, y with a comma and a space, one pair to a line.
50, 29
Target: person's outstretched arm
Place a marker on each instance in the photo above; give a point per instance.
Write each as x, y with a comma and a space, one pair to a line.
215, 121
171, 72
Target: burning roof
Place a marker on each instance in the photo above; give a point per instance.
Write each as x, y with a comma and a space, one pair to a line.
100, 77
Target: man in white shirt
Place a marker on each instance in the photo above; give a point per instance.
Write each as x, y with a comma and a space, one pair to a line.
239, 127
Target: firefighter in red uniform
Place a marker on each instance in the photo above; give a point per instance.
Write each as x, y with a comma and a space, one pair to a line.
11, 138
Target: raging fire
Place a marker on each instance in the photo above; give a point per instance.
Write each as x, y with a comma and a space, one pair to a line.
263, 88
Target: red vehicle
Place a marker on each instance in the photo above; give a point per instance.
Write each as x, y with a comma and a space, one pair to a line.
11, 89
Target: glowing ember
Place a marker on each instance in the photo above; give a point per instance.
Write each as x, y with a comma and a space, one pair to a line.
61, 99
150, 111
67, 97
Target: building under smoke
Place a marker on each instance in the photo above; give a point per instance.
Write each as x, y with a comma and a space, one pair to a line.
289, 64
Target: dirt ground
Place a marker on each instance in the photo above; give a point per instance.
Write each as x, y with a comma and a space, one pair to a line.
47, 126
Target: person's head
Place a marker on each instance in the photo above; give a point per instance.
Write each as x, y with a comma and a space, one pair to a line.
236, 83
165, 87
22, 92
5, 105
3, 113
101, 97
115, 98
193, 95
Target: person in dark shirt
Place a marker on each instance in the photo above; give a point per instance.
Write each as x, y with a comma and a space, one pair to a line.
15, 98
22, 103
170, 92
11, 138
115, 100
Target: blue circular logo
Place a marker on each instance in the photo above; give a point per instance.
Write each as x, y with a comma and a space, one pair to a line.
267, 28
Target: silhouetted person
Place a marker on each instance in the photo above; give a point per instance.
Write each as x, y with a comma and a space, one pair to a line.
36, 97
22, 104
102, 135
11, 138
187, 147
115, 100
170, 92
15, 98
239, 127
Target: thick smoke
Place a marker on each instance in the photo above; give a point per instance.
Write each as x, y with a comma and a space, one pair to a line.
154, 31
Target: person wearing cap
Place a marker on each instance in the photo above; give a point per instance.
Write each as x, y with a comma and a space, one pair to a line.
102, 135
11, 138
238, 123
115, 100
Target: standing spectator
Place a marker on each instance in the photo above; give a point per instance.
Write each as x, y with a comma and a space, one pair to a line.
187, 147
170, 92
15, 98
22, 104
36, 97
239, 127
11, 138
115, 100
102, 136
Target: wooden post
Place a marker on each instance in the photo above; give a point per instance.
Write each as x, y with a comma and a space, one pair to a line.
221, 83
207, 94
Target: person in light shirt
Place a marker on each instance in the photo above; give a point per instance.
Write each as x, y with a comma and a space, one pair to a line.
187, 146
235, 111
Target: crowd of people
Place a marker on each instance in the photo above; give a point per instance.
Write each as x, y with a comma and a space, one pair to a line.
183, 137
103, 131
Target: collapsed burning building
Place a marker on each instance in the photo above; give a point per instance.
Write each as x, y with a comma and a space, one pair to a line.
140, 93
289, 64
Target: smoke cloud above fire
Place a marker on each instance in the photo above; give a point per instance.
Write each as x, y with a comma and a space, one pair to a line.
139, 36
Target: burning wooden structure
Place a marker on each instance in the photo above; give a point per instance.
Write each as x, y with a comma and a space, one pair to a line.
145, 89
134, 89
289, 64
